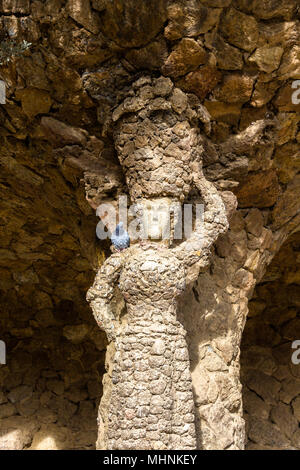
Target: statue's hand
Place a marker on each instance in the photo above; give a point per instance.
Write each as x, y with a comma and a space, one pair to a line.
101, 294
107, 323
105, 318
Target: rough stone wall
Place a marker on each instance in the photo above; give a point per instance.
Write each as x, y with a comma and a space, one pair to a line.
51, 385
271, 382
240, 59
214, 317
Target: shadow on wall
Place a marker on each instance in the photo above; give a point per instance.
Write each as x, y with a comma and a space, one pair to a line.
209, 319
214, 315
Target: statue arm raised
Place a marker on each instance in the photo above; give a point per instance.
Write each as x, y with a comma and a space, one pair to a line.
101, 294
196, 248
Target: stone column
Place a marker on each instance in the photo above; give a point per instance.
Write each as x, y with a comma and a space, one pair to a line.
148, 400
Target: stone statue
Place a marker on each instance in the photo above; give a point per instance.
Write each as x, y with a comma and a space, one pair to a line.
148, 398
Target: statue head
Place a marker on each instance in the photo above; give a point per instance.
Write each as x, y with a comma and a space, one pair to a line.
157, 137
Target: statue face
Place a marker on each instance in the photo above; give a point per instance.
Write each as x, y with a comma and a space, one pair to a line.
157, 218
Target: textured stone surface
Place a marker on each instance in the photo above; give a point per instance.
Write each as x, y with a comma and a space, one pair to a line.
239, 29
228, 57
15, 6
152, 56
34, 101
234, 89
260, 190
267, 58
202, 81
156, 411
80, 11
186, 56
121, 23
267, 9
157, 145
57, 149
190, 18
271, 393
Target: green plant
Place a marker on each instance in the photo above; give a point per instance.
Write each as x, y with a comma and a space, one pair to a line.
9, 48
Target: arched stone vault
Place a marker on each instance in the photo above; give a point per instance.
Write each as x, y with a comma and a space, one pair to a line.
51, 384
269, 372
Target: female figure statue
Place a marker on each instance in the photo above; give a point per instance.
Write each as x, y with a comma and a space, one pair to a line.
148, 398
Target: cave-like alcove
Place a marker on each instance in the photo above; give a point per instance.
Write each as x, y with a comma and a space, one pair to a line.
271, 381
51, 383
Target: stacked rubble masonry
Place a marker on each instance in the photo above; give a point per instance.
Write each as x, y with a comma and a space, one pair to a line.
270, 377
231, 64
